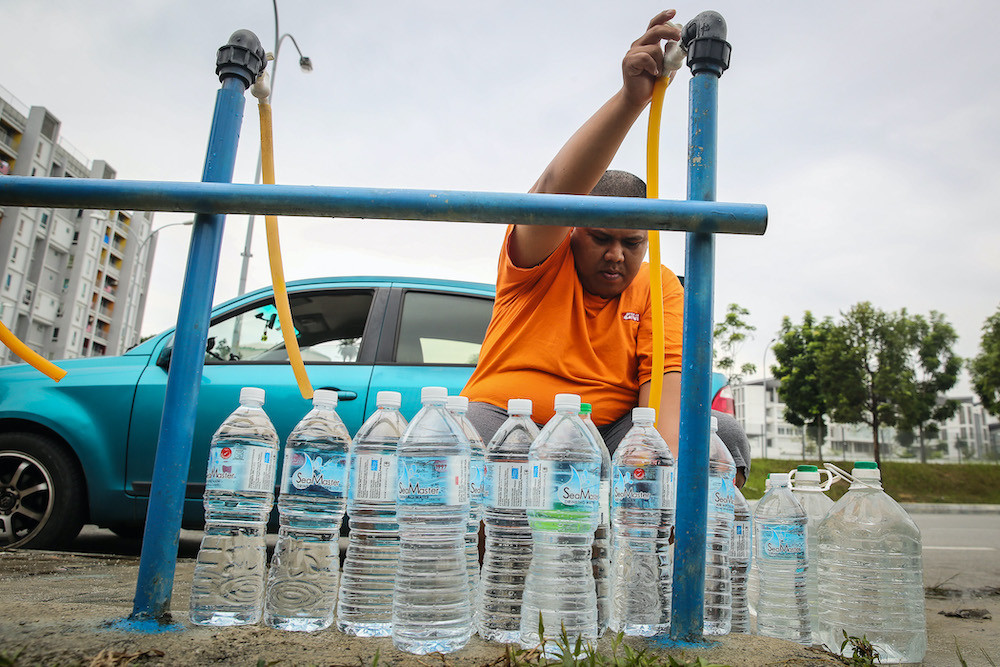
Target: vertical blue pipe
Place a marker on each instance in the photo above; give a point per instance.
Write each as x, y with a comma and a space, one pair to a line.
686, 623
173, 452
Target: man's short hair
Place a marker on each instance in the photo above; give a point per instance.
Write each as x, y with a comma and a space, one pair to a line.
615, 183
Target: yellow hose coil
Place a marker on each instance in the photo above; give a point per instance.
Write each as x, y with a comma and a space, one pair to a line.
274, 256
655, 281
28, 355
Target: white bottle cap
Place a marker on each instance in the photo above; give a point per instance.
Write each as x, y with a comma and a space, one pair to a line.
388, 399
715, 423
433, 394
643, 415
252, 396
458, 403
868, 471
567, 402
519, 406
779, 479
325, 397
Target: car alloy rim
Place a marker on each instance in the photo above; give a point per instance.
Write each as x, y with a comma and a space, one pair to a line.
26, 497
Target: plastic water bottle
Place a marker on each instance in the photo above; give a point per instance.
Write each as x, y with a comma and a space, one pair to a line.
459, 406
739, 562
508, 535
430, 607
601, 551
305, 568
807, 490
780, 554
721, 484
871, 572
643, 498
364, 608
753, 585
563, 494
228, 585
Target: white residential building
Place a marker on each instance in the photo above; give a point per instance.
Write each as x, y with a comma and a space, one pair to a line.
761, 412
72, 281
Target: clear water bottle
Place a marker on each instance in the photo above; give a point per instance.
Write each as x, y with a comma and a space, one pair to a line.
459, 406
305, 568
508, 535
780, 553
871, 572
228, 585
364, 607
430, 606
643, 498
739, 562
563, 495
808, 491
600, 559
718, 587
753, 584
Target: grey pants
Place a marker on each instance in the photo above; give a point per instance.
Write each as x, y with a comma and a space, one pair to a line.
488, 418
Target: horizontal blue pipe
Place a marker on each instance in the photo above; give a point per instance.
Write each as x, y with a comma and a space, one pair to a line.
388, 204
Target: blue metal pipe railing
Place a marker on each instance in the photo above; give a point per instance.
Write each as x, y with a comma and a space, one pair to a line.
173, 452
700, 216
444, 205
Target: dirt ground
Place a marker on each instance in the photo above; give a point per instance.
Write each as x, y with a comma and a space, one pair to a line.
68, 609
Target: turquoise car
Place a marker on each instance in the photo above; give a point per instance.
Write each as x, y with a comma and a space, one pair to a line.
81, 450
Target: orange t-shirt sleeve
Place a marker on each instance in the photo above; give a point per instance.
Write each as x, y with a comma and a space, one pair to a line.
673, 316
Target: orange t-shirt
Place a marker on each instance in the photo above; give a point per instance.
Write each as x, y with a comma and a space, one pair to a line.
548, 336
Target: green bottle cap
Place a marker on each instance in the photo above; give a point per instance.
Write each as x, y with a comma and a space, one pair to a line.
866, 465
585, 409
807, 469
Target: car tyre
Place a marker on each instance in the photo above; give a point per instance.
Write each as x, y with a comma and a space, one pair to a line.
42, 493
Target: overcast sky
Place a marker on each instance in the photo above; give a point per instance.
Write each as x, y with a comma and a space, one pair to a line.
868, 129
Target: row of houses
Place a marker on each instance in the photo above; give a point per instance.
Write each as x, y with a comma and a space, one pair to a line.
972, 434
72, 282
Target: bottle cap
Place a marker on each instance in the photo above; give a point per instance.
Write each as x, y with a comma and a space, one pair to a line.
866, 470
585, 409
458, 403
865, 465
779, 479
325, 397
569, 402
433, 394
807, 473
715, 423
643, 415
388, 399
519, 406
252, 396
807, 469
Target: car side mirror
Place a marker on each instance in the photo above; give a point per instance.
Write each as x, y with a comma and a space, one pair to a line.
163, 360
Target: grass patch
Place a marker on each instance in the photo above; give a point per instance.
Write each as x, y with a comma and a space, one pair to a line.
966, 483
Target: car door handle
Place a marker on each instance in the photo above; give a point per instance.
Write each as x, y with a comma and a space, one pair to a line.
343, 395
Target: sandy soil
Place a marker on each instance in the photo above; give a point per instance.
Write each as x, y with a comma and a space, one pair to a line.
70, 609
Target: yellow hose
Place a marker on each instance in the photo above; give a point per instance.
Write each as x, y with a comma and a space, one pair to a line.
274, 256
655, 281
28, 355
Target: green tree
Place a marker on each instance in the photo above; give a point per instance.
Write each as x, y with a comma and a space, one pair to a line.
862, 365
798, 353
728, 337
985, 367
935, 368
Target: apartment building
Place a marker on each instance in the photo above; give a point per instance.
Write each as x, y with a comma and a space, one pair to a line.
72, 281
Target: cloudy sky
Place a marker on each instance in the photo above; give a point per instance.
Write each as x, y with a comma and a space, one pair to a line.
869, 129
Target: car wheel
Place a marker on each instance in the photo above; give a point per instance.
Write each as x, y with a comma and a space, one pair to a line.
42, 499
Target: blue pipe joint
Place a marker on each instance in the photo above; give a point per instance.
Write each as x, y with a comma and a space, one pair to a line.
242, 57
704, 37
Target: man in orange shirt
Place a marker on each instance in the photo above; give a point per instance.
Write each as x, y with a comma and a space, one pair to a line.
572, 312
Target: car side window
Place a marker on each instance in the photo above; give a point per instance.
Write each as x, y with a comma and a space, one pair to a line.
328, 327
438, 328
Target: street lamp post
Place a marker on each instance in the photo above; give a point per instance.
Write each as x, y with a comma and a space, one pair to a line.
763, 441
134, 331
305, 64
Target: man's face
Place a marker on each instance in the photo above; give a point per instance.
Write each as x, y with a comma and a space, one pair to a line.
607, 259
